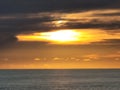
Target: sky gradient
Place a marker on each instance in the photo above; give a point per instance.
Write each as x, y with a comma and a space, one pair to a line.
31, 37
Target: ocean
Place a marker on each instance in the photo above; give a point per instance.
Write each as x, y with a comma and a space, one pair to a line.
79, 79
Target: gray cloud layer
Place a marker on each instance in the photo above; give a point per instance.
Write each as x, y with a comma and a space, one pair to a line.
28, 6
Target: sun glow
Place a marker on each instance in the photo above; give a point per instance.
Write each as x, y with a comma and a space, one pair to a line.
62, 36
66, 37
53, 37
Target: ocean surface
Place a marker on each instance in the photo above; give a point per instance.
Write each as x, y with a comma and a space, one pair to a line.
60, 79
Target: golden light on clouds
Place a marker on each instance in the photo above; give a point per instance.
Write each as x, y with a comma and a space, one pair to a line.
69, 36
89, 15
59, 23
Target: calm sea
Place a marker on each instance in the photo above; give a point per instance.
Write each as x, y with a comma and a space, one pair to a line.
60, 79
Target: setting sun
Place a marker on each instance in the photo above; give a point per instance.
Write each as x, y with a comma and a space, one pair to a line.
62, 35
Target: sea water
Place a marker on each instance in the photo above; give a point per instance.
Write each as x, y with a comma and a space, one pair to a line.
94, 79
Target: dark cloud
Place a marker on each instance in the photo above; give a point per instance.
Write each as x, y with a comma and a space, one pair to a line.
22, 24
6, 39
14, 20
109, 14
95, 24
108, 42
45, 24
28, 6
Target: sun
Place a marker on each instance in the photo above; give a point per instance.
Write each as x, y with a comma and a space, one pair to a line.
61, 36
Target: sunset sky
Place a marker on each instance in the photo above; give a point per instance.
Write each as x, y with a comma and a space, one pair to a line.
59, 34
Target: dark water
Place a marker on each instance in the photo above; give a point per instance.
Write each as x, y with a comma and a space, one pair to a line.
59, 79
